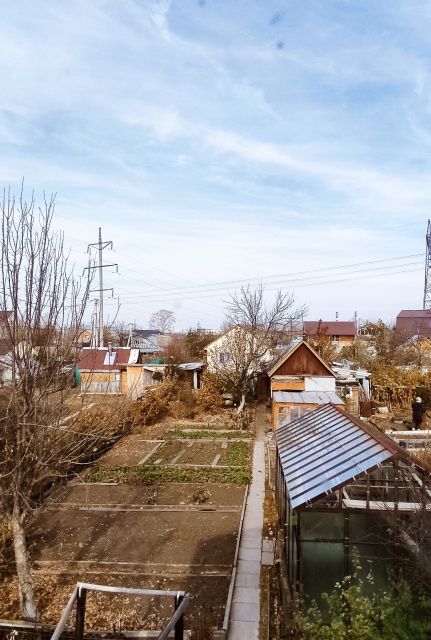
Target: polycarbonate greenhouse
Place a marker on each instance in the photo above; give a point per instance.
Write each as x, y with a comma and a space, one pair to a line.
346, 490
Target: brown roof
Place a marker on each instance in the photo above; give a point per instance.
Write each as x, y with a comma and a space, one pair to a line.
330, 328
413, 322
4, 315
414, 313
94, 359
274, 366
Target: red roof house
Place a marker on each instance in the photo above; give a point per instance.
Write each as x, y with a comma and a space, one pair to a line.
412, 322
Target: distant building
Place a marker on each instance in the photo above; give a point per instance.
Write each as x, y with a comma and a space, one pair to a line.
414, 323
342, 334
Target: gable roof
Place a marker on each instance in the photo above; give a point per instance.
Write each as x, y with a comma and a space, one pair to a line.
327, 449
290, 351
97, 359
331, 328
145, 333
220, 337
414, 313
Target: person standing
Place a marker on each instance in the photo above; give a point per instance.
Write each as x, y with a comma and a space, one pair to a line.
418, 411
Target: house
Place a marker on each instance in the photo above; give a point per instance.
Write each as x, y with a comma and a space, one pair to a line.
354, 387
5, 361
104, 370
234, 347
414, 323
300, 382
341, 334
84, 338
142, 376
150, 342
345, 490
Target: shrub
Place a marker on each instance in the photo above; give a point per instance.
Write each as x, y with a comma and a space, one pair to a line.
208, 398
349, 613
155, 405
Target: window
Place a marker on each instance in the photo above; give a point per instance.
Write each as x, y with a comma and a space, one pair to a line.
335, 338
223, 357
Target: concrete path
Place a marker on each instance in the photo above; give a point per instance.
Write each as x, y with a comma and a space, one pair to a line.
245, 612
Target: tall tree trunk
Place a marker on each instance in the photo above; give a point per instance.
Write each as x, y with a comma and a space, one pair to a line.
25, 581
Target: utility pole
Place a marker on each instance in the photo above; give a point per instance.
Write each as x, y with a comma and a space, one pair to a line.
427, 287
100, 246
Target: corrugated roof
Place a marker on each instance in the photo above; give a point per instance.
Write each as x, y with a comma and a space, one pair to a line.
325, 450
331, 328
94, 359
307, 397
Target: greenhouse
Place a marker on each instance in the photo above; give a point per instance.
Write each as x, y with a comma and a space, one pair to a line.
344, 491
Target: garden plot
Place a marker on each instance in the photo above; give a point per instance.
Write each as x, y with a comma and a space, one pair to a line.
131, 449
201, 453
209, 595
150, 539
169, 494
131, 522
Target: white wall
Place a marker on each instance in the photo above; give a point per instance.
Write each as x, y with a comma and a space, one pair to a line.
319, 383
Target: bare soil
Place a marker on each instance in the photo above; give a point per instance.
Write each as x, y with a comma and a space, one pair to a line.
201, 453
209, 594
168, 536
129, 450
165, 494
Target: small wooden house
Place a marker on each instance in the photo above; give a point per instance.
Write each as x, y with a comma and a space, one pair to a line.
300, 382
104, 370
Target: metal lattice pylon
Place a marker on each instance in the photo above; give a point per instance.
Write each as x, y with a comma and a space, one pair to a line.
427, 287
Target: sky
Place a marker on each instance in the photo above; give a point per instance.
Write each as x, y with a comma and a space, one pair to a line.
221, 143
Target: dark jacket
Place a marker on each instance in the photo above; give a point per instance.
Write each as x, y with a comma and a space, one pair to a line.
418, 410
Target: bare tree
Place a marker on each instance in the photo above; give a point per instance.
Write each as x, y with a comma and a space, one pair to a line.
121, 332
163, 321
47, 305
256, 330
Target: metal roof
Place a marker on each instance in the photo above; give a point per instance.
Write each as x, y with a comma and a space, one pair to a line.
325, 450
331, 328
307, 397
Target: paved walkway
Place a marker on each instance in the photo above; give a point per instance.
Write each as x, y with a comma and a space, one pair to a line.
245, 612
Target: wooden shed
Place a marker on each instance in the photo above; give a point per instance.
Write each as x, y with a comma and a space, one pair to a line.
300, 382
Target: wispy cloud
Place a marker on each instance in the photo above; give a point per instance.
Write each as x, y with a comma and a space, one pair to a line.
206, 148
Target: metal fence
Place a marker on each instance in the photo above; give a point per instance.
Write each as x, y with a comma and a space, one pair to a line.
79, 596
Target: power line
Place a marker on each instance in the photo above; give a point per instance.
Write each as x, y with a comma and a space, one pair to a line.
294, 282
272, 288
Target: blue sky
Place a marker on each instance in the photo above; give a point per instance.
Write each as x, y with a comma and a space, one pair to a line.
225, 142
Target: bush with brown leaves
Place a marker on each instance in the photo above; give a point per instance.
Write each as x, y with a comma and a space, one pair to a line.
209, 398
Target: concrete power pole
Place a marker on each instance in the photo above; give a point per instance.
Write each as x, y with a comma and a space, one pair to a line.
427, 287
100, 246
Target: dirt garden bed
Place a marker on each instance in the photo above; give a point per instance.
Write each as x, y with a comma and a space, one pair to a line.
130, 522
131, 449
208, 599
165, 494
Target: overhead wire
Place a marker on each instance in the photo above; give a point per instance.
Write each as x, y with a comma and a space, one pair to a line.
292, 282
